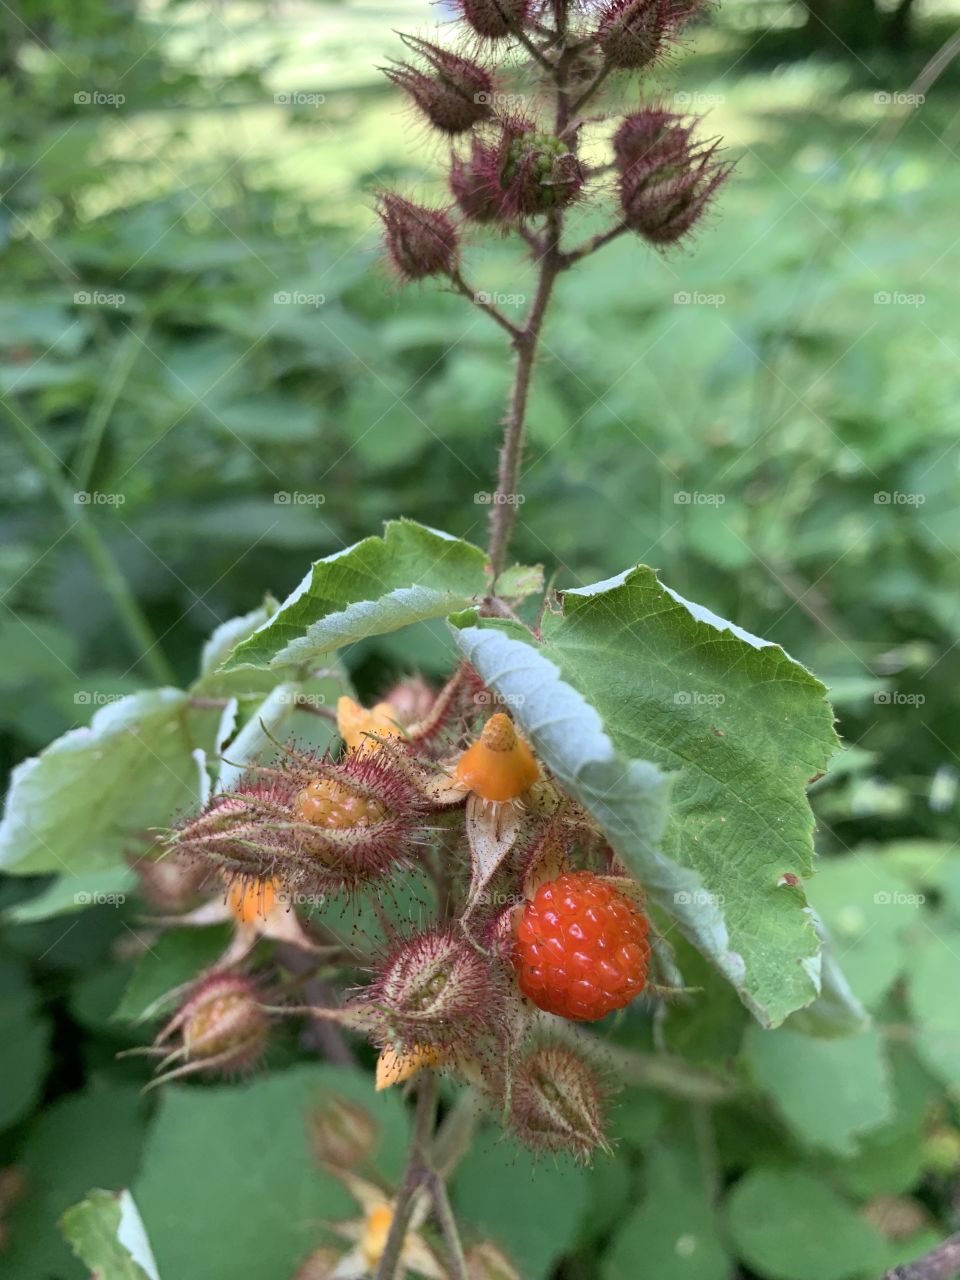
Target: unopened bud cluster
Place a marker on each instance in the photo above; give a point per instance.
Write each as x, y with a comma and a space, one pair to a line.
508, 167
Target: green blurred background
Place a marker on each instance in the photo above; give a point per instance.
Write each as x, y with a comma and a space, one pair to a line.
197, 336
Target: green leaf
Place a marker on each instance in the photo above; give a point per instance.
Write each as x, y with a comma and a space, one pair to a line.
96, 792
673, 1234
176, 957
381, 584
932, 997
24, 1046
231, 1165
67, 894
633, 681
787, 1225
532, 1211
106, 1232
828, 1092
83, 1140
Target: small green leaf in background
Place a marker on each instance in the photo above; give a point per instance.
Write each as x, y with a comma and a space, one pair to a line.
933, 999
673, 1234
828, 1092
788, 1225
631, 680
228, 1187
71, 893
23, 1045
176, 957
533, 1210
84, 1140
82, 803
379, 585
106, 1232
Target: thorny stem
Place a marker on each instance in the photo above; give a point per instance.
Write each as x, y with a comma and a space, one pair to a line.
416, 1174
551, 260
448, 1225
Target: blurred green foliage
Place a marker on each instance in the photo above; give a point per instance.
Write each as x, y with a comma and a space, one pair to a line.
195, 324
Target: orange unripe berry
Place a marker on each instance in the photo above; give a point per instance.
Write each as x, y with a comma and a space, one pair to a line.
224, 1021
327, 803
499, 766
252, 900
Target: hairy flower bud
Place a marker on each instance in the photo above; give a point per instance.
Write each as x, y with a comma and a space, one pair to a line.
632, 34
342, 1133
666, 177
222, 1026
436, 990
457, 94
475, 183
420, 242
556, 1102
538, 171
495, 19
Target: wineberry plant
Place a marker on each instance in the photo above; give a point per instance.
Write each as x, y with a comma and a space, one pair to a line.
598, 820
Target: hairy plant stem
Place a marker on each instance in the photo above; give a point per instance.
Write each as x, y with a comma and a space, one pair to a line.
448, 1225
415, 1176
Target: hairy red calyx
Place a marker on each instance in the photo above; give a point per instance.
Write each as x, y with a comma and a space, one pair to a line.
557, 1102
454, 95
496, 19
420, 241
667, 178
632, 34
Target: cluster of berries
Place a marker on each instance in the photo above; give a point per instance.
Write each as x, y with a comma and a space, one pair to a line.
509, 165
424, 785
